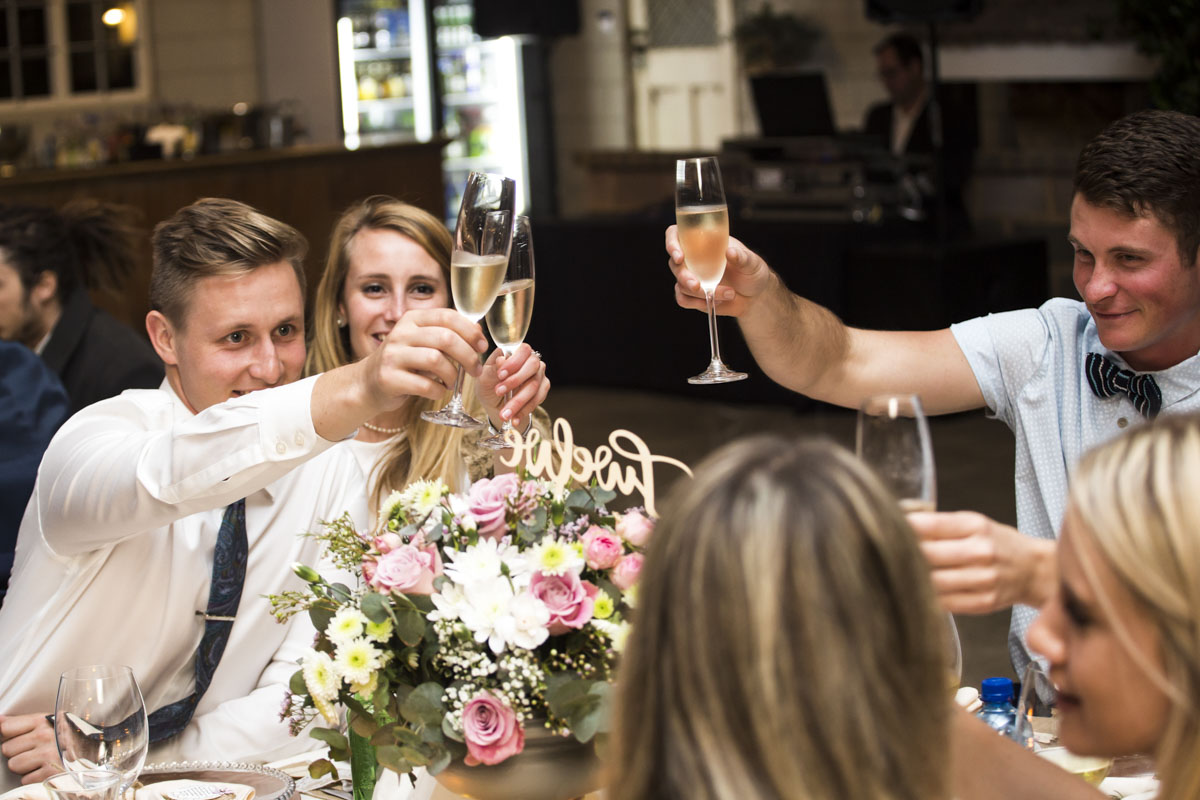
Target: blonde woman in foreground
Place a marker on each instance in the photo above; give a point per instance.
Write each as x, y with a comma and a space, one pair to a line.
787, 642
387, 283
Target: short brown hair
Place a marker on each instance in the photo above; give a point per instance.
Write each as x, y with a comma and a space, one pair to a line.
1148, 163
216, 236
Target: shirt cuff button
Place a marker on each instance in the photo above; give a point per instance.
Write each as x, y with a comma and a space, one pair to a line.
280, 447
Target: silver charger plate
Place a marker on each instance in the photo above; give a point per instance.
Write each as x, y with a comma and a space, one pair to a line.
268, 783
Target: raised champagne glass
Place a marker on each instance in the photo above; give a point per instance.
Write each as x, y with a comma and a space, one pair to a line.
482, 238
508, 318
892, 438
702, 220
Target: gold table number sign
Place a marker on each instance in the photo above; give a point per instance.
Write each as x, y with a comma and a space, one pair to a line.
580, 464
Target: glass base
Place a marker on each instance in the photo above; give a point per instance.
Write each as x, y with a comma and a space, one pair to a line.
497, 442
451, 417
717, 372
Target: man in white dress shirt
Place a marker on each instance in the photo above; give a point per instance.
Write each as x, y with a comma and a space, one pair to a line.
1065, 377
115, 553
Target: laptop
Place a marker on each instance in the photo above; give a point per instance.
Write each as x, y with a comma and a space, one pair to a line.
791, 104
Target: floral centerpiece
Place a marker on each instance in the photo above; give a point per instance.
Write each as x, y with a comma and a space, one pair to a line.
471, 618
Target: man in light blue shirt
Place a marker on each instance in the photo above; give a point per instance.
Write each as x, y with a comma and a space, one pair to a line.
1065, 377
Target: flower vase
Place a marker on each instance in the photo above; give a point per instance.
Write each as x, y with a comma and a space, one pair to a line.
551, 767
362, 766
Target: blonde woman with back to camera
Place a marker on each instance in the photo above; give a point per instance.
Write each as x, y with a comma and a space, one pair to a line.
387, 284
787, 642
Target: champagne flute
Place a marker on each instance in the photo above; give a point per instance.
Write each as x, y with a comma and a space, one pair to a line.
508, 318
100, 721
892, 437
482, 238
703, 226
475, 278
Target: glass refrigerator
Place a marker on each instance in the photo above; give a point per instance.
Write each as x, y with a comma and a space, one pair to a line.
413, 69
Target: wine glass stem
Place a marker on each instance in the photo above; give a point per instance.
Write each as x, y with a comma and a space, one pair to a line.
456, 402
713, 344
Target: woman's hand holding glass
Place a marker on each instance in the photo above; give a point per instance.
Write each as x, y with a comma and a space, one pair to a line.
524, 374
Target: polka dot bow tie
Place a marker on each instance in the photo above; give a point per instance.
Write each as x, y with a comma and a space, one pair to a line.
1109, 380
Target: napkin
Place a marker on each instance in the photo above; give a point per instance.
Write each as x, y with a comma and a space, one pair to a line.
166, 790
1143, 787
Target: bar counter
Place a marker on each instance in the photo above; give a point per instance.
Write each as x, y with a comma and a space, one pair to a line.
305, 186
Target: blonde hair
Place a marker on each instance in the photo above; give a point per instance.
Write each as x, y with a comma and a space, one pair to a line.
423, 450
1134, 499
787, 641
217, 236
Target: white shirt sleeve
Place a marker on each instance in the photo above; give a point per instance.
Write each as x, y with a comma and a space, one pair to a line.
1005, 351
141, 461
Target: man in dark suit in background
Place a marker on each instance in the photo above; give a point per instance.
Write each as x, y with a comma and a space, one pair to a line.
904, 124
48, 262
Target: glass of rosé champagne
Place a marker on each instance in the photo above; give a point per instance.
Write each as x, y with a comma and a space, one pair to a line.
508, 318
703, 228
482, 238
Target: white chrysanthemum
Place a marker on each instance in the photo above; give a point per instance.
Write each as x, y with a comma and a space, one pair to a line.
356, 661
617, 632
389, 507
379, 631
367, 688
479, 562
552, 557
421, 497
320, 677
448, 603
485, 607
346, 626
461, 508
525, 625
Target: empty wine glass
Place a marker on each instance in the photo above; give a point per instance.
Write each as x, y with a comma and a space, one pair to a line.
1036, 724
482, 239
508, 318
703, 228
892, 438
86, 784
100, 721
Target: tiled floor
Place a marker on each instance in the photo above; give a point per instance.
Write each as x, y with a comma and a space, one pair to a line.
974, 462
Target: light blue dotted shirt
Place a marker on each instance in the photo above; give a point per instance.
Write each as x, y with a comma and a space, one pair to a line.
1029, 365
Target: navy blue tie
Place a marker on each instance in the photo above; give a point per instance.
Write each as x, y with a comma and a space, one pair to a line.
224, 595
1109, 380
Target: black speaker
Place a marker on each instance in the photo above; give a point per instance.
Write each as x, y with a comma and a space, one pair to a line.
536, 17
923, 10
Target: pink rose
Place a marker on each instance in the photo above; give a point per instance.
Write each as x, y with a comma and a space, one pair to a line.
491, 730
406, 569
569, 600
601, 548
626, 573
387, 542
635, 528
487, 500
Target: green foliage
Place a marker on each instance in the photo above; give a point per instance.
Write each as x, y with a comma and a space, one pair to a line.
581, 703
767, 40
424, 705
339, 747
1169, 32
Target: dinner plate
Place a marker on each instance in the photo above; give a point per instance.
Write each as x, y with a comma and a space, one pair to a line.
268, 783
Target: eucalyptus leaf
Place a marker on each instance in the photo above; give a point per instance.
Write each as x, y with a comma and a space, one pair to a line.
320, 767
389, 756
364, 726
424, 705
376, 608
320, 616
432, 734
340, 592
296, 684
410, 625
439, 761
386, 735
331, 737
412, 755
448, 730
407, 736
